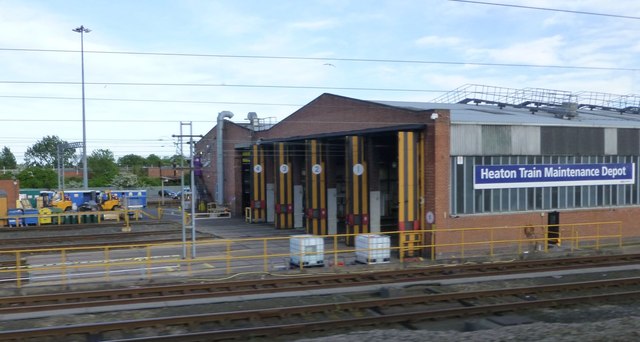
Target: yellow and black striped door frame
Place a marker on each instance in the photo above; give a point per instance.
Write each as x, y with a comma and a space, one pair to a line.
258, 185
410, 191
408, 181
315, 188
357, 189
283, 187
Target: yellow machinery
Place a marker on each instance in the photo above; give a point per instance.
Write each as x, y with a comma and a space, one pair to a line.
44, 216
56, 200
109, 201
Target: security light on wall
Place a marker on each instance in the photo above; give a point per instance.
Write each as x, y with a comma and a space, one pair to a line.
434, 116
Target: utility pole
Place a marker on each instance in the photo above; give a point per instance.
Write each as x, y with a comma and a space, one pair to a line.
181, 137
61, 148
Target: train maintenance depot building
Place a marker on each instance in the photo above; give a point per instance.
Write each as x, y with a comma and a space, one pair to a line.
478, 168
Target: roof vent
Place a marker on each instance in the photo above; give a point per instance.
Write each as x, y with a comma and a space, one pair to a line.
252, 116
568, 110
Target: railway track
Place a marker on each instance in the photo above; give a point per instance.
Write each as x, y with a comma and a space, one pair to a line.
76, 227
34, 240
100, 239
176, 292
328, 317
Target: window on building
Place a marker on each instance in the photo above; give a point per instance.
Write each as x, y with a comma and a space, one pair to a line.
467, 200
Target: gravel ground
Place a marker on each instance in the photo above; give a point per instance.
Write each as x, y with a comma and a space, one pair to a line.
603, 322
619, 329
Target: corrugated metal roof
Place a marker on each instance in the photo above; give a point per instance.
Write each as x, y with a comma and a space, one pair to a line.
494, 115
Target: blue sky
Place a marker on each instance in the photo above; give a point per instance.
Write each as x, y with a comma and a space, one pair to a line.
150, 64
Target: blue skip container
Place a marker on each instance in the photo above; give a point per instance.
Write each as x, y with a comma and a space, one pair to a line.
33, 220
15, 221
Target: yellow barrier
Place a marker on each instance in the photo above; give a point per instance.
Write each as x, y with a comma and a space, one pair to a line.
227, 257
48, 218
489, 241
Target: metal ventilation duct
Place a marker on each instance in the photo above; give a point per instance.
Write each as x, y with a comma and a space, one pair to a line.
220, 156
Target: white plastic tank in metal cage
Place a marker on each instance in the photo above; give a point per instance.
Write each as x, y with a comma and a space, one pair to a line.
373, 249
307, 250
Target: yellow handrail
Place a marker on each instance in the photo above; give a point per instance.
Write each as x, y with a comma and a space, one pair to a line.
234, 256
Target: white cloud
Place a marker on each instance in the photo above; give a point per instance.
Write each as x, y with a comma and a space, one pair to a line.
438, 41
541, 51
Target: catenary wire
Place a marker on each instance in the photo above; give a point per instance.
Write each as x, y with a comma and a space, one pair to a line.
548, 9
332, 59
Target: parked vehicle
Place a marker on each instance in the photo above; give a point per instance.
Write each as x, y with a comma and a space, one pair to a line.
56, 199
168, 194
108, 201
187, 195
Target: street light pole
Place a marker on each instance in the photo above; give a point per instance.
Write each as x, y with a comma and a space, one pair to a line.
85, 179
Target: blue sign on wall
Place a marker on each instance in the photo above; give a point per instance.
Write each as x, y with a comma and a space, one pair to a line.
530, 176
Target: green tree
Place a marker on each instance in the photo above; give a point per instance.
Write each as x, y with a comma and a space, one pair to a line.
134, 163
176, 159
7, 159
7, 175
154, 160
38, 177
44, 153
103, 167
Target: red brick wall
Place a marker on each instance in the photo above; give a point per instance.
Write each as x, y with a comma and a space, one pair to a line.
437, 172
233, 135
437, 166
12, 190
330, 114
165, 172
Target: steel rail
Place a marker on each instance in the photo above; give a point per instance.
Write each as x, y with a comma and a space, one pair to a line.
129, 236
40, 239
97, 244
268, 332
225, 320
163, 293
77, 227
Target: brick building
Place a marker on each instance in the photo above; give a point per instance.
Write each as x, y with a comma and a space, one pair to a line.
478, 156
10, 189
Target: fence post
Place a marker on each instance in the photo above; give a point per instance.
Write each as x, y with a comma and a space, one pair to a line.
63, 259
228, 256
265, 255
620, 234
148, 262
18, 270
127, 227
107, 272
491, 242
335, 250
433, 242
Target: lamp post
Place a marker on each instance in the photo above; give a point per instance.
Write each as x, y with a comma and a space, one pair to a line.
85, 182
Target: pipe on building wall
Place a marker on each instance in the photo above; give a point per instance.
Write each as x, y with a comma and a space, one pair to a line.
220, 156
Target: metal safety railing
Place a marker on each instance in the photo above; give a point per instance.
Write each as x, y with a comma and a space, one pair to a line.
491, 241
230, 257
77, 217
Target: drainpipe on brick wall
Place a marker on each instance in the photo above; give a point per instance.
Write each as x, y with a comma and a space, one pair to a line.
220, 156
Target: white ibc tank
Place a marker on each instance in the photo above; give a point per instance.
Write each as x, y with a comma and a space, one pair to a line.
373, 249
307, 250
